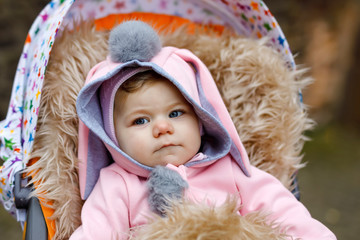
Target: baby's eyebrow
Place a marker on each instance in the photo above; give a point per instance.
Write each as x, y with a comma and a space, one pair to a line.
136, 112
179, 102
176, 104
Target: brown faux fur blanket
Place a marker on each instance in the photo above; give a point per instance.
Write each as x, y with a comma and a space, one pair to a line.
189, 221
261, 93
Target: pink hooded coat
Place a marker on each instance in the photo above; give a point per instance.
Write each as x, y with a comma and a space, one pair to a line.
114, 184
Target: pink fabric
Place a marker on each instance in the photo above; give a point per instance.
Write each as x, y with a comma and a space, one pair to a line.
264, 192
119, 200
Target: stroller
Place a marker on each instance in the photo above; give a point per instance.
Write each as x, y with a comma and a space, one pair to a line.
39, 177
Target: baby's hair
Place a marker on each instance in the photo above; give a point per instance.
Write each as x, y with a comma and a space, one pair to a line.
135, 83
139, 80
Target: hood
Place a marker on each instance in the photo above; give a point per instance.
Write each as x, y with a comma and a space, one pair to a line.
97, 142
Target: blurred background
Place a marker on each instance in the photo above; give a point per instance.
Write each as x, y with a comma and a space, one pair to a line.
325, 37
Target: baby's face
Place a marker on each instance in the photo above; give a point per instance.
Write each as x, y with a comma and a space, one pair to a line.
156, 126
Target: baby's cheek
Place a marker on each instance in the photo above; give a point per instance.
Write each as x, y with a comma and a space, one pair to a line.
139, 145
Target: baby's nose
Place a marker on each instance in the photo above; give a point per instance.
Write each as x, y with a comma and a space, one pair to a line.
162, 126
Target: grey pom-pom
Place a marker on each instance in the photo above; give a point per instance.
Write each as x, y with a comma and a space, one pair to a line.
164, 185
133, 40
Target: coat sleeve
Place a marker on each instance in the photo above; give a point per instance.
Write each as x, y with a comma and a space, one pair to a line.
264, 192
105, 213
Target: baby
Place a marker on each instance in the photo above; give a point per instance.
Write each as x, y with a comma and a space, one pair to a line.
153, 127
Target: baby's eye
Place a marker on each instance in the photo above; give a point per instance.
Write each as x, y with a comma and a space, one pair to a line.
176, 113
140, 121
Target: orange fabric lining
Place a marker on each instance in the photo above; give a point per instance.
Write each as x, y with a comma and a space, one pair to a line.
47, 211
158, 21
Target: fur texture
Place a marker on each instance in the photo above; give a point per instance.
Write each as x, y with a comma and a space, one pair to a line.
133, 40
189, 221
73, 55
164, 184
260, 92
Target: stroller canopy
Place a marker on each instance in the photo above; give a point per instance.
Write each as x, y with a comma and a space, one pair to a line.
249, 18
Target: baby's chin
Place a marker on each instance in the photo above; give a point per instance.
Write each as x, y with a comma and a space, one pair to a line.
172, 159
172, 155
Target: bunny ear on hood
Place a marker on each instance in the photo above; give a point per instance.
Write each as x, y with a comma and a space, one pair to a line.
135, 47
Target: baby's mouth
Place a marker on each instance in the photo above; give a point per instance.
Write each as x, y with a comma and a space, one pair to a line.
166, 146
